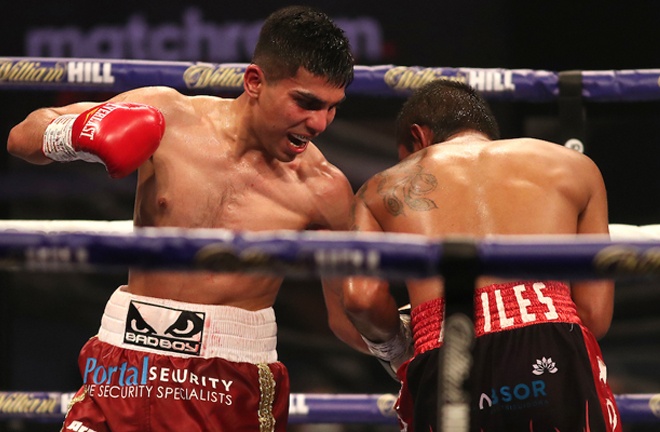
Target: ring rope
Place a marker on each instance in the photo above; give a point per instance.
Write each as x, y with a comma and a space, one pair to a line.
524, 85
307, 408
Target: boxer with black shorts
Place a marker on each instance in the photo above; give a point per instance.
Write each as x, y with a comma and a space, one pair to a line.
537, 365
193, 350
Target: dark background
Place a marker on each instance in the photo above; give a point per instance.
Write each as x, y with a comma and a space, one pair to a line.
46, 318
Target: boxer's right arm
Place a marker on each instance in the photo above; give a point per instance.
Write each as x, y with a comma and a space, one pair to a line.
119, 135
25, 140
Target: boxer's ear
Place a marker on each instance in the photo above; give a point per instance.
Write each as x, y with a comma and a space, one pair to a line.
422, 136
253, 79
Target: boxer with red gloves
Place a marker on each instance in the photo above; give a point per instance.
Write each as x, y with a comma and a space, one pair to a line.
119, 135
189, 350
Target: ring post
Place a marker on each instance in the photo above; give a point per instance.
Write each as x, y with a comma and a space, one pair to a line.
460, 267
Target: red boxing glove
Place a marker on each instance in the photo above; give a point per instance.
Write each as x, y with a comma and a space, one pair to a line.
121, 136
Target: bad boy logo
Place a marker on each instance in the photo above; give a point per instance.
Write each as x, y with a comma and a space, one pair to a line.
163, 328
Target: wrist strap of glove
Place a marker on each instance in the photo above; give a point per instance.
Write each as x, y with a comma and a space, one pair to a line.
57, 144
396, 350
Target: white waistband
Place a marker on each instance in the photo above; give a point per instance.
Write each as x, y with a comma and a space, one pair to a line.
181, 329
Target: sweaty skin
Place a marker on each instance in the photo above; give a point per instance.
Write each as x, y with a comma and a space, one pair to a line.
240, 164
469, 185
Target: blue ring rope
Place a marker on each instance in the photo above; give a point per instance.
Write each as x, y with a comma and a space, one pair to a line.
522, 85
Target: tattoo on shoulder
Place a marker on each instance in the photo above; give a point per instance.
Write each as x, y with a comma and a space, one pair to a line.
410, 190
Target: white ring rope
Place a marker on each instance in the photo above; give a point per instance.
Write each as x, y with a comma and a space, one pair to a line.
48, 226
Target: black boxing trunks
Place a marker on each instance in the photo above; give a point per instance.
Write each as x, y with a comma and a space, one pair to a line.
535, 366
160, 365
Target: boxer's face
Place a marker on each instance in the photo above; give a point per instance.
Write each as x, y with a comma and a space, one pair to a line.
293, 111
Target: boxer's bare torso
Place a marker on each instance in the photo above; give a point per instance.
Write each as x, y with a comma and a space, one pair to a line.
238, 164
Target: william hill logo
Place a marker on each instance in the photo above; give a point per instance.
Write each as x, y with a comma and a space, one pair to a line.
56, 72
25, 71
29, 403
163, 328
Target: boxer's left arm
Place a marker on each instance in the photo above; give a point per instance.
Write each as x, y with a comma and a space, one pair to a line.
338, 321
371, 307
334, 202
594, 299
